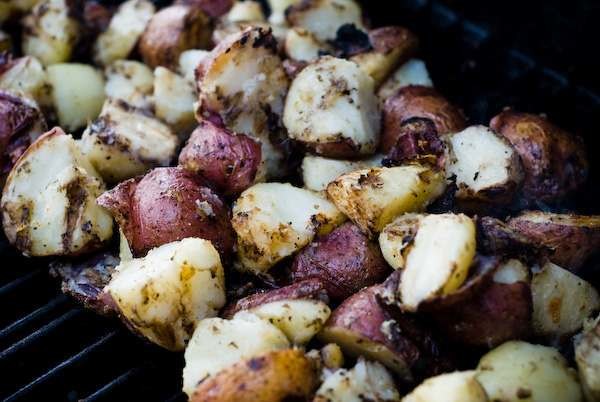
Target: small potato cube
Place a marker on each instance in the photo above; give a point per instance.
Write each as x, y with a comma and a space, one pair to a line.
519, 371
278, 8
26, 76
413, 72
397, 238
130, 81
189, 60
318, 172
125, 28
49, 200
372, 198
77, 93
165, 294
460, 386
331, 108
246, 11
275, 220
125, 142
301, 45
324, 17
218, 344
174, 98
587, 356
561, 301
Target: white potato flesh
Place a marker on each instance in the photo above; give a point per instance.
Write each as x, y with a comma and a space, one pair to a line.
522, 372
413, 72
27, 77
274, 220
165, 294
561, 301
366, 381
460, 386
77, 93
482, 162
299, 320
189, 60
372, 198
125, 142
587, 356
49, 32
330, 101
318, 171
130, 81
218, 344
301, 45
49, 200
246, 11
512, 271
278, 8
324, 17
125, 28
397, 237
174, 98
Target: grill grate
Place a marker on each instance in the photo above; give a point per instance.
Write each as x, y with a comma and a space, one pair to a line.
53, 349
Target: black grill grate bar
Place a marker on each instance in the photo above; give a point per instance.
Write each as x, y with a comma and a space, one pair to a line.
57, 302
63, 365
11, 286
40, 333
178, 397
118, 382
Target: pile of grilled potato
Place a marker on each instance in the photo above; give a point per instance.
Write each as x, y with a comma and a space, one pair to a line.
287, 198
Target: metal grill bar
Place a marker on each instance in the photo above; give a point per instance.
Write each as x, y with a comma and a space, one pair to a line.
11, 286
38, 314
118, 382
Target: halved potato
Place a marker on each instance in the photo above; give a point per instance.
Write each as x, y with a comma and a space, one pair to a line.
366, 381
77, 93
413, 72
218, 344
130, 81
49, 200
332, 109
174, 99
26, 76
459, 386
125, 142
125, 28
518, 371
165, 294
372, 198
561, 301
318, 171
274, 220
587, 356
324, 17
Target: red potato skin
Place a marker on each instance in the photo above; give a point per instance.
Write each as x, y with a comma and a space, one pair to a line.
554, 161
227, 160
418, 142
418, 101
394, 38
164, 206
307, 289
345, 261
212, 8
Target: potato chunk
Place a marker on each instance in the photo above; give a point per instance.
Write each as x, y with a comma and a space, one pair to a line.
246, 11
125, 142
218, 344
165, 294
318, 172
274, 220
332, 109
324, 17
561, 301
519, 371
26, 76
174, 98
397, 237
301, 45
587, 356
372, 198
125, 28
451, 387
413, 72
189, 60
365, 381
130, 81
49, 200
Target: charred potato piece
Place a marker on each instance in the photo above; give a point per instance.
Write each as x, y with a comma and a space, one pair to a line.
485, 166
561, 301
174, 98
418, 142
554, 161
275, 220
275, 376
332, 109
25, 76
345, 260
391, 46
246, 11
372, 198
125, 28
572, 239
318, 172
171, 31
397, 237
587, 356
130, 81
418, 101
413, 72
367, 380
126, 141
460, 386
218, 344
165, 294
49, 32
48, 203
227, 160
519, 371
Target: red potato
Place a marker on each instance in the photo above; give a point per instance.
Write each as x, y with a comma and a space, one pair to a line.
212, 8
345, 261
495, 237
166, 205
418, 101
554, 161
227, 160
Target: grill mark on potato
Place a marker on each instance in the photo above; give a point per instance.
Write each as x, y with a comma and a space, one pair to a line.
76, 196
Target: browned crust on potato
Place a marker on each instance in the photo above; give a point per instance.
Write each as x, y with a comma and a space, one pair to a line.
394, 39
418, 142
212, 8
275, 376
418, 101
554, 161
